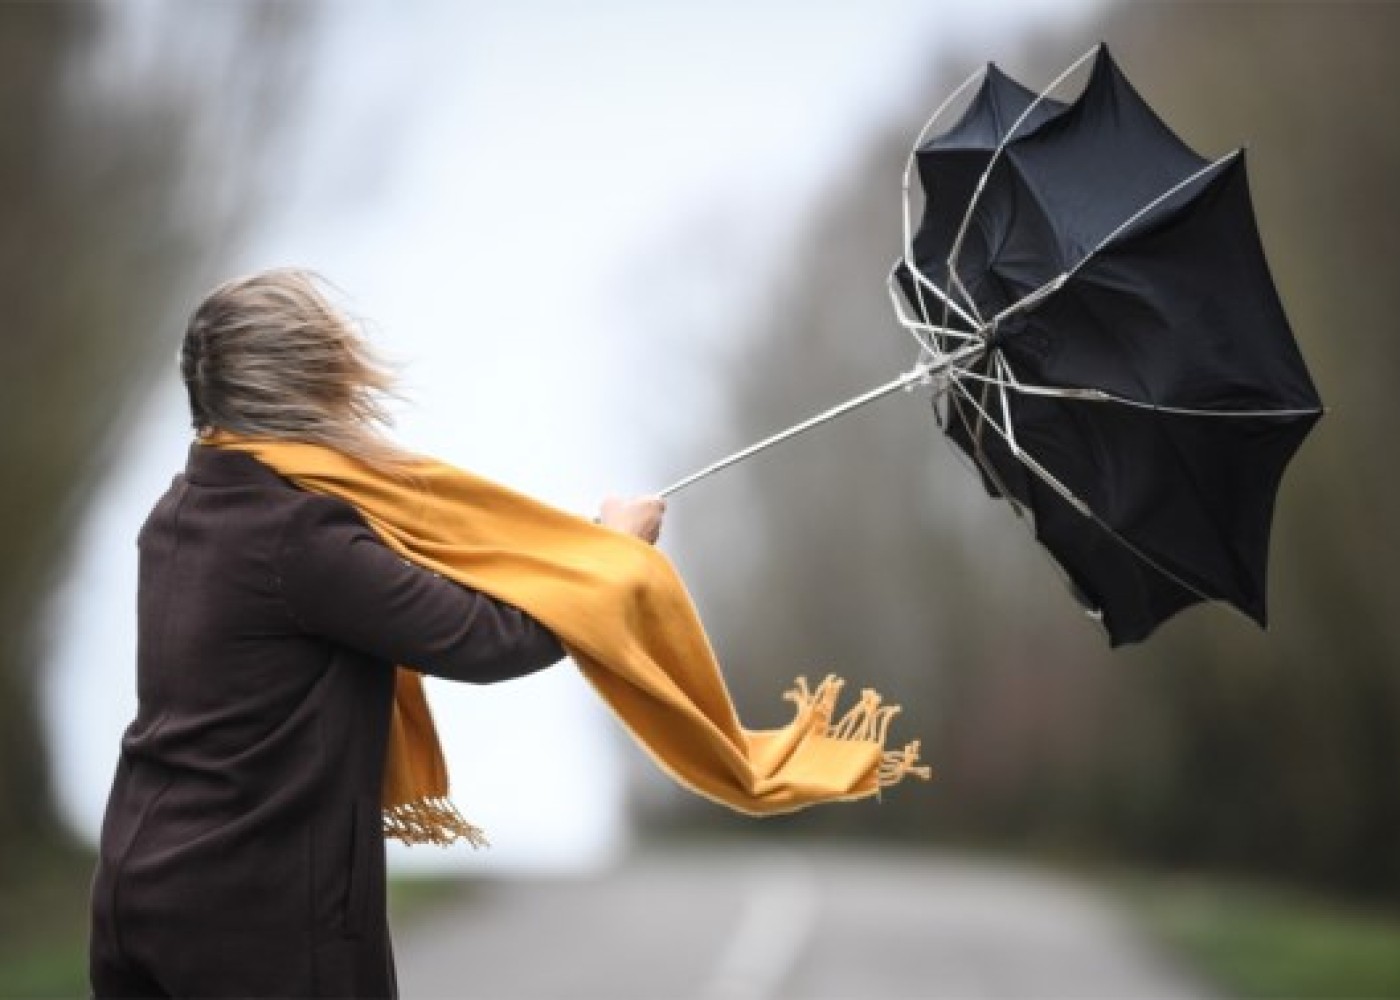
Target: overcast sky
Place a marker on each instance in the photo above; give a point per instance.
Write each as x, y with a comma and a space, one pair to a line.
552, 214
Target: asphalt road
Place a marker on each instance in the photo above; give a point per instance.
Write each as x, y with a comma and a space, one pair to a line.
801, 924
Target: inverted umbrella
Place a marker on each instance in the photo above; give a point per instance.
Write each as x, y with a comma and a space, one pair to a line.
1094, 311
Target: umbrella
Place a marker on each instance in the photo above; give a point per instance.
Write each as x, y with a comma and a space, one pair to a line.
1095, 314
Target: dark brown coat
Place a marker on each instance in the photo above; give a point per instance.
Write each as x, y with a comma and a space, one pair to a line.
241, 854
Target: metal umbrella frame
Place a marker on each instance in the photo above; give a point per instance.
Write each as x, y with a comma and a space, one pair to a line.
961, 352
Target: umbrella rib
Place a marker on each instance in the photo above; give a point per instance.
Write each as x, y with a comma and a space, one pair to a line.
1000, 359
955, 252
913, 152
978, 456
913, 326
955, 282
922, 282
1100, 396
907, 215
1215, 165
910, 325
976, 431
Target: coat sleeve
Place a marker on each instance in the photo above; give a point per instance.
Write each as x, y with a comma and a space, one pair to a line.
341, 582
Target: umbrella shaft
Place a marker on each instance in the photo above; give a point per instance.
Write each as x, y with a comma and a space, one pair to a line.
915, 375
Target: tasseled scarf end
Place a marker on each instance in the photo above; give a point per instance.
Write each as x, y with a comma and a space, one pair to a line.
866, 721
431, 821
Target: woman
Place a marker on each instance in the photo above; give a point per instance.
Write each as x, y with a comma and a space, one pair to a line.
242, 852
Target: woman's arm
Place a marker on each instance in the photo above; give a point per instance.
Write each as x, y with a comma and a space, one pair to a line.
341, 582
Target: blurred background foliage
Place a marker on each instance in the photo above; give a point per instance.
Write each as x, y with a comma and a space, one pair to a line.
132, 159
868, 549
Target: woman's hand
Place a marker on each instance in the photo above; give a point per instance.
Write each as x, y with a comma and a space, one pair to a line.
640, 516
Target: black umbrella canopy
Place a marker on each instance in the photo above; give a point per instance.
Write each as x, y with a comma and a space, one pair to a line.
951, 164
1140, 392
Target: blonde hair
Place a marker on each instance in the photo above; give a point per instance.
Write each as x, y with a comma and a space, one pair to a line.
269, 355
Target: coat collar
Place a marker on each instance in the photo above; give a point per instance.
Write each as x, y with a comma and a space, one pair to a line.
211, 466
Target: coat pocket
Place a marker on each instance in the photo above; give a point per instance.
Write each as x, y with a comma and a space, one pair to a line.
358, 875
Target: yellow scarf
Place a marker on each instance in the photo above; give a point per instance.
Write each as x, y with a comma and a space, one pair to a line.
621, 611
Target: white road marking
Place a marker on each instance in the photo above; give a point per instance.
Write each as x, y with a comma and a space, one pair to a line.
779, 912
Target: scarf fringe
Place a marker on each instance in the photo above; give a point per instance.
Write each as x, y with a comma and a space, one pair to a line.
868, 721
431, 820
896, 765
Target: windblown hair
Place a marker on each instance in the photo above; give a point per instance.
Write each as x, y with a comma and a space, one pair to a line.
269, 355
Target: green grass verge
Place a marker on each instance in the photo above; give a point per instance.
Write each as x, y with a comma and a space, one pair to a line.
1253, 941
43, 924
56, 969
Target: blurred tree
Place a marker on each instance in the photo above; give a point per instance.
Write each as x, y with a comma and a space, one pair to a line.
1288, 746
132, 157
866, 549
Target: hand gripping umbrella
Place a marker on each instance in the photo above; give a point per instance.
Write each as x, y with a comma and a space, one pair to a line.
1095, 315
